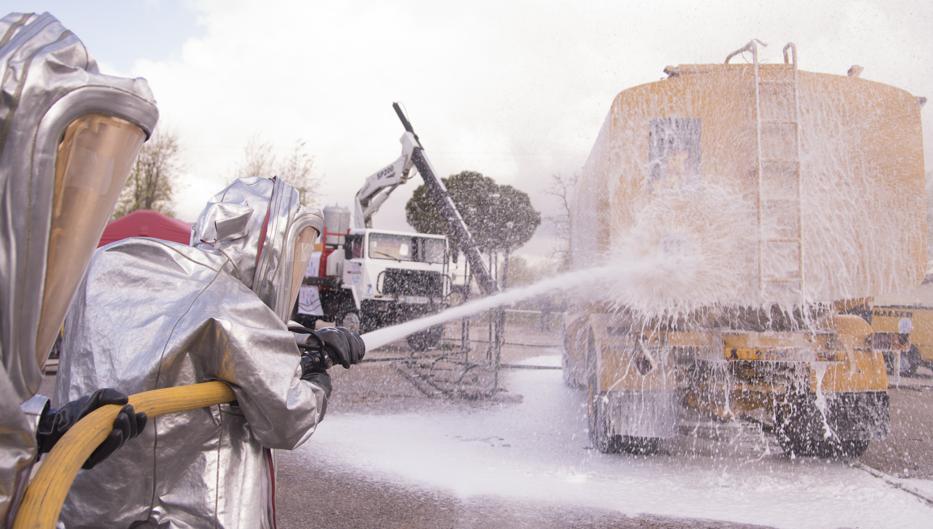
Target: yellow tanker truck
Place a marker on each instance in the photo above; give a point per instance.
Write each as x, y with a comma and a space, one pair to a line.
775, 201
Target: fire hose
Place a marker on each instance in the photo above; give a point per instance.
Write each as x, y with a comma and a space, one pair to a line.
46, 493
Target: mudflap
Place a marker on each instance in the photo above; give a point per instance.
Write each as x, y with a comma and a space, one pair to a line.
844, 427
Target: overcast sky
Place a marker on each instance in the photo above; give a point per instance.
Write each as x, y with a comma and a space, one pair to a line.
516, 90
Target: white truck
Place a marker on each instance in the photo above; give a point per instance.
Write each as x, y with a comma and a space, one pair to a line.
364, 279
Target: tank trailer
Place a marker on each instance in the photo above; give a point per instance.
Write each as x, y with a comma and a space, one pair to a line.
788, 165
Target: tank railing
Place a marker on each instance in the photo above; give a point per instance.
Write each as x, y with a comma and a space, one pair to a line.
792, 58
46, 493
751, 47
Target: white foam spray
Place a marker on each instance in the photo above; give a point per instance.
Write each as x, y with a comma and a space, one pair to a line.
658, 270
604, 282
568, 281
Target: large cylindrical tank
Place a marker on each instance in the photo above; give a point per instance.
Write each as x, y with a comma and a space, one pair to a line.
336, 224
757, 185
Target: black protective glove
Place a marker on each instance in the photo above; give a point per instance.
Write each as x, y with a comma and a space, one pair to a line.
323, 348
341, 346
328, 346
55, 422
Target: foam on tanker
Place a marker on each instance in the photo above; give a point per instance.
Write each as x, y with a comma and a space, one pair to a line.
674, 172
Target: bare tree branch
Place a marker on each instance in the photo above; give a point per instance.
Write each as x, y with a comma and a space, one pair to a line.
561, 187
151, 181
296, 167
258, 159
297, 170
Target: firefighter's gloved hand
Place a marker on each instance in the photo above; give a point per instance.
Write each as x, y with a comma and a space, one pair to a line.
341, 346
55, 422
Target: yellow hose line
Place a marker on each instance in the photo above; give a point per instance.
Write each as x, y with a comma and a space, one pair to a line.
47, 491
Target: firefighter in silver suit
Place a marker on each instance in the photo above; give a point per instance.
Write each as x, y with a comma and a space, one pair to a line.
154, 314
68, 138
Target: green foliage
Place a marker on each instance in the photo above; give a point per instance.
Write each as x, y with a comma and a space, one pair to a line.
513, 221
499, 217
520, 272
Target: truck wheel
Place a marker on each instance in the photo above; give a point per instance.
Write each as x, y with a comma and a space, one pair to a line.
598, 422
598, 428
910, 361
640, 445
424, 340
455, 298
889, 363
800, 432
852, 448
350, 321
824, 448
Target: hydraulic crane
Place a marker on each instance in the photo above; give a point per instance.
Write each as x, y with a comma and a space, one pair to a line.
447, 208
385, 277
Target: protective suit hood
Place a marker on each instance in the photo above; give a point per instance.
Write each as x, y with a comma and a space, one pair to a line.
48, 85
261, 227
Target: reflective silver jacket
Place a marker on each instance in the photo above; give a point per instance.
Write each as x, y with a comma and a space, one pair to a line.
47, 79
152, 314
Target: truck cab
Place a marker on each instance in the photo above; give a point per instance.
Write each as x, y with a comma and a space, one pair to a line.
368, 278
393, 271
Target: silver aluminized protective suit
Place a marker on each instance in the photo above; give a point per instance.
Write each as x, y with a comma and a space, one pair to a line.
47, 81
153, 314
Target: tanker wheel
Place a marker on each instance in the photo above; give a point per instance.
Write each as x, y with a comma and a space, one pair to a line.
598, 428
829, 449
639, 445
424, 340
800, 432
350, 321
889, 361
910, 361
598, 423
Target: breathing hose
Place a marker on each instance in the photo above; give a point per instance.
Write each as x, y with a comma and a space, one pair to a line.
46, 493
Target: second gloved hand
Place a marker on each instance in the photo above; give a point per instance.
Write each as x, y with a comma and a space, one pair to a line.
54, 423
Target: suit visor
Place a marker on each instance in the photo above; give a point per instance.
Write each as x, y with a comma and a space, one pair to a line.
304, 247
91, 167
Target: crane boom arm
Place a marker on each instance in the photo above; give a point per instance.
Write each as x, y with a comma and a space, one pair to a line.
448, 209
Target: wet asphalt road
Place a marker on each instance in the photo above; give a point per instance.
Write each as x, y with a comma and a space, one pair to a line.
341, 498
314, 490
389, 457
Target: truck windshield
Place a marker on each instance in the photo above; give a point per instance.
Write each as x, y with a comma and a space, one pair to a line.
406, 248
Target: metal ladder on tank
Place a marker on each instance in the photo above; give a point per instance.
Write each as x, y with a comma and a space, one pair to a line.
777, 137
